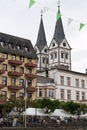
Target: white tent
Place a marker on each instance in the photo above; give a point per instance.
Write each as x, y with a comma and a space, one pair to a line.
61, 113
34, 112
84, 116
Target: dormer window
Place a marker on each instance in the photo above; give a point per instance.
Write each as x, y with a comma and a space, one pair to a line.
64, 44
26, 49
13, 57
53, 44
19, 48
4, 55
3, 44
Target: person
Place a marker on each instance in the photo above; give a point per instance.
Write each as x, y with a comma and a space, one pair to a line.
14, 122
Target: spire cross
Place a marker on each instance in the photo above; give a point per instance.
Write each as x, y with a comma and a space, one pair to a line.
58, 5
41, 12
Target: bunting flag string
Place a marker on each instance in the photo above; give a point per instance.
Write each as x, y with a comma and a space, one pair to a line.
69, 21
31, 3
58, 15
81, 26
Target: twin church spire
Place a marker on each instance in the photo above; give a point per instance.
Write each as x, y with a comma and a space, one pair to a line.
58, 54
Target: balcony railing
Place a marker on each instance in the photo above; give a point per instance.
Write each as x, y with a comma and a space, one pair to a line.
2, 86
15, 62
31, 65
14, 87
31, 76
31, 89
15, 73
2, 71
2, 59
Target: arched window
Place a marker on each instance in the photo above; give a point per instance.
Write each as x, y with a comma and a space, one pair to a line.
66, 55
55, 54
51, 55
62, 54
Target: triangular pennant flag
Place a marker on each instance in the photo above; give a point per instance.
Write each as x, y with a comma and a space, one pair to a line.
69, 21
44, 9
58, 16
81, 26
31, 3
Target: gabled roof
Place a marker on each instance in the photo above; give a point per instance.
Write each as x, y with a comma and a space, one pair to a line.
41, 38
59, 31
11, 44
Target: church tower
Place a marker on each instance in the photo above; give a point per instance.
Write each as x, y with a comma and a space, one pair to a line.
59, 49
41, 48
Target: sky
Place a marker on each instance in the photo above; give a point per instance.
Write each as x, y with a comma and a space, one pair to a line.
16, 18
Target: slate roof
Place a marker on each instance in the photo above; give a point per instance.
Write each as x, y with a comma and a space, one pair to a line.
59, 31
10, 44
41, 38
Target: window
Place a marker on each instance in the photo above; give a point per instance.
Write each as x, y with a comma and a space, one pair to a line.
13, 95
68, 81
4, 55
43, 60
62, 80
29, 95
21, 82
62, 55
66, 55
22, 58
45, 50
29, 60
40, 92
29, 71
51, 55
21, 69
4, 66
77, 95
4, 94
64, 44
13, 57
13, 68
53, 44
4, 80
82, 84
19, 47
68, 95
21, 95
55, 55
83, 96
29, 82
26, 49
62, 94
77, 82
13, 81
51, 93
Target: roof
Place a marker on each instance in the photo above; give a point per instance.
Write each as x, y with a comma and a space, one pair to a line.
16, 46
41, 38
59, 35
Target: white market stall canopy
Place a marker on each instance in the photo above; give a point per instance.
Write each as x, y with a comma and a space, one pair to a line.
34, 112
61, 113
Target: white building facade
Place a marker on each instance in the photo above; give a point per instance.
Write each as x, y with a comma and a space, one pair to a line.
67, 84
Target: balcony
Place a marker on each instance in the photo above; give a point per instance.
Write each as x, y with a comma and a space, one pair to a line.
2, 71
15, 73
2, 59
31, 89
15, 62
2, 86
31, 65
31, 76
14, 87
